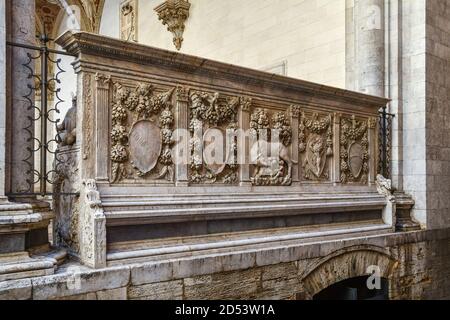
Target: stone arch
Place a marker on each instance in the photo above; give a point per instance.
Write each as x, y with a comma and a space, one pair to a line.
345, 264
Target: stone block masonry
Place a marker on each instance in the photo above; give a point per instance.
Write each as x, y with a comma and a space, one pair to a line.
416, 264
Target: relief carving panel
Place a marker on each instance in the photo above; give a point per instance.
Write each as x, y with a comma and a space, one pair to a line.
141, 135
270, 154
216, 116
316, 145
354, 150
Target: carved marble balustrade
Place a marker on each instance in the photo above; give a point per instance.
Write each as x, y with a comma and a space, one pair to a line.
138, 203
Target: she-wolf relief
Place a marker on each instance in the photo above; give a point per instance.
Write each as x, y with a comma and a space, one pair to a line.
141, 135
270, 155
354, 150
213, 121
316, 145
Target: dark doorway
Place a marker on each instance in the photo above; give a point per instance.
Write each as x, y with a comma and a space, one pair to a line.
354, 289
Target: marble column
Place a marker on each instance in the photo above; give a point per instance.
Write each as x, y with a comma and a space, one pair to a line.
22, 30
369, 46
24, 244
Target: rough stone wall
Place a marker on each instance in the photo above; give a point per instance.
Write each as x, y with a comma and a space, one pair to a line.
417, 265
438, 113
309, 35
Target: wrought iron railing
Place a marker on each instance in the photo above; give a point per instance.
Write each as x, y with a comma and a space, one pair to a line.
385, 143
43, 83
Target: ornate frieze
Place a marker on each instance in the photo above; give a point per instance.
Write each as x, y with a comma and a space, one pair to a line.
270, 152
354, 150
316, 145
213, 117
173, 14
141, 135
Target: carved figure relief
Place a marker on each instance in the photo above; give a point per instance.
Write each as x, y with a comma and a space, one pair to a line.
354, 150
142, 125
271, 156
128, 20
316, 145
217, 117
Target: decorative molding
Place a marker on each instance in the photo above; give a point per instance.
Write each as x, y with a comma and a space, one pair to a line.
316, 143
174, 13
129, 20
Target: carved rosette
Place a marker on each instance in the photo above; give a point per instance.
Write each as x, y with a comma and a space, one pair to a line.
316, 145
141, 135
208, 113
354, 150
271, 155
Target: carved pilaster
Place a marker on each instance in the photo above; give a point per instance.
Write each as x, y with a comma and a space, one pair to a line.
336, 171
182, 146
86, 116
295, 114
103, 83
373, 149
244, 125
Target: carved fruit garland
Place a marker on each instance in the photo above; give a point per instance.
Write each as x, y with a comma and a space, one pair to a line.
210, 109
354, 150
142, 103
316, 141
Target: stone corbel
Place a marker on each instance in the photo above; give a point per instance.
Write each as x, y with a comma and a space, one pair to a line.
174, 13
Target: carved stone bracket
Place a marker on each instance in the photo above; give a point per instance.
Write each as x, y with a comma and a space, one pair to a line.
316, 143
174, 13
354, 150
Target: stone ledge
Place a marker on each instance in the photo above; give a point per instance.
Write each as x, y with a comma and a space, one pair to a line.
83, 281
16, 290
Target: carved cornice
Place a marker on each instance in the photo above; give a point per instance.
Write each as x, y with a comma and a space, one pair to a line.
173, 14
92, 44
